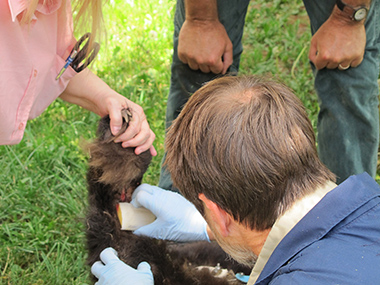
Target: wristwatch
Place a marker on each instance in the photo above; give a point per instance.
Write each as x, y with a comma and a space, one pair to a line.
355, 13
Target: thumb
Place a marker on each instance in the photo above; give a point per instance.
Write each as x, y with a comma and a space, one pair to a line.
313, 52
149, 230
116, 120
148, 200
109, 255
227, 60
144, 267
142, 199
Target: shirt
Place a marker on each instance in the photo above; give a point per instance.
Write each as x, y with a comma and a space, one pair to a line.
31, 56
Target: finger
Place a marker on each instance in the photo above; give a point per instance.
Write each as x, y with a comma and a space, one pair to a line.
146, 146
218, 67
142, 198
144, 267
153, 200
150, 230
138, 140
143, 140
97, 269
193, 65
313, 54
227, 58
316, 58
108, 256
182, 57
356, 62
143, 137
332, 65
135, 123
142, 188
344, 66
204, 68
319, 64
152, 150
133, 129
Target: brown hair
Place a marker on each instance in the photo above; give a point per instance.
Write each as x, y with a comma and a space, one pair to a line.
247, 144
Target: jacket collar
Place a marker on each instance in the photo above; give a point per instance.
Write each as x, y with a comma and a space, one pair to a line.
344, 199
284, 225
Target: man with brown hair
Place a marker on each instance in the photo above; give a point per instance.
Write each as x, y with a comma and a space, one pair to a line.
243, 152
344, 55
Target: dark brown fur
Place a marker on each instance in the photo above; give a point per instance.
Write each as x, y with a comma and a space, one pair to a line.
114, 172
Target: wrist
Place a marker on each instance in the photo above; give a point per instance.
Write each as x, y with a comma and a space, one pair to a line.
104, 98
350, 11
201, 10
202, 25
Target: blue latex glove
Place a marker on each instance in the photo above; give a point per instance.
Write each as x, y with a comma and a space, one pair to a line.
113, 271
177, 219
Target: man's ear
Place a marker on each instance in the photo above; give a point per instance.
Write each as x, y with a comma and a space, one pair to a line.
220, 217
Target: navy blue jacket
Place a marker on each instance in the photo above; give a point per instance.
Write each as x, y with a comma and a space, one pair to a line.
337, 242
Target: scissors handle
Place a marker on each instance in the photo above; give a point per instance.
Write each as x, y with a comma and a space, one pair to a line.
86, 54
69, 60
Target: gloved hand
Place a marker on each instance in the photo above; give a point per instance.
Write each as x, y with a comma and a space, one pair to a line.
177, 219
113, 271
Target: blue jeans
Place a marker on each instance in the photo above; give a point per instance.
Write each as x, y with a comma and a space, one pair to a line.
348, 122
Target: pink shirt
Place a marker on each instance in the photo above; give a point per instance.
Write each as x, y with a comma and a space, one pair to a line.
31, 56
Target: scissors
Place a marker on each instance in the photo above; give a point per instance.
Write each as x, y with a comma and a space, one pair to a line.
81, 56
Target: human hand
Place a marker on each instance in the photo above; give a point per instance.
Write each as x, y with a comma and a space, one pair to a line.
138, 133
90, 92
177, 219
205, 45
111, 270
338, 44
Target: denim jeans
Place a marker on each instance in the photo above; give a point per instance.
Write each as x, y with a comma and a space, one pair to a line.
348, 121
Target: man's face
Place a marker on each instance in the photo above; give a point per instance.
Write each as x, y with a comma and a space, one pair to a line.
239, 252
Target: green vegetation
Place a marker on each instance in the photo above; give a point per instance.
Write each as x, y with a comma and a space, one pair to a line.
42, 180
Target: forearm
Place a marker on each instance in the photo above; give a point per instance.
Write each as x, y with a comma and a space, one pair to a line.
88, 91
357, 3
201, 10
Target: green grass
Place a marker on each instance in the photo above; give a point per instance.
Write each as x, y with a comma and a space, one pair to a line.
276, 44
42, 181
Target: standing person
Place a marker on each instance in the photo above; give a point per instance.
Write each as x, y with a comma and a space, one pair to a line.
207, 42
36, 39
243, 153
344, 54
